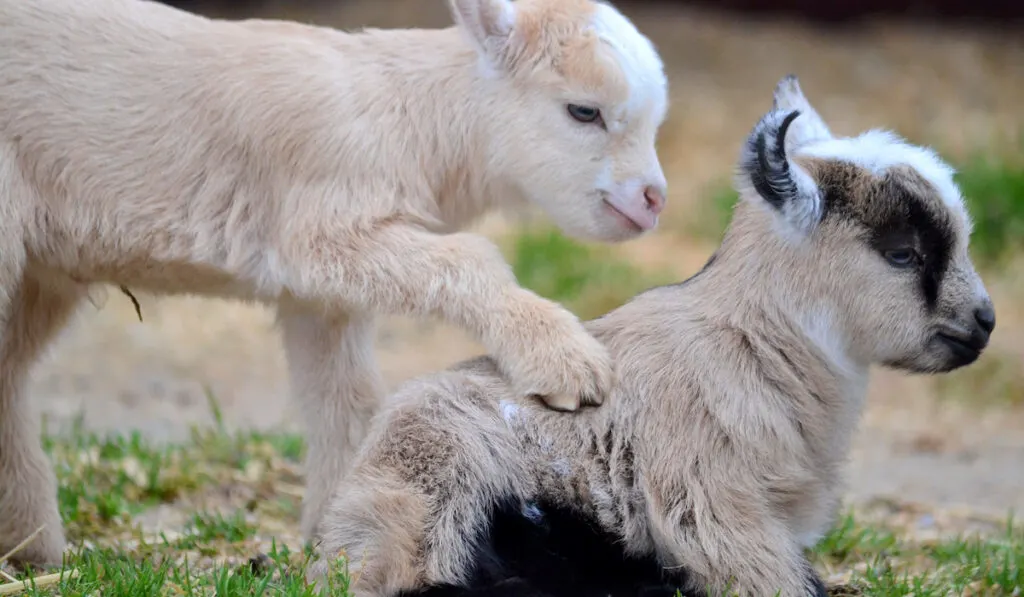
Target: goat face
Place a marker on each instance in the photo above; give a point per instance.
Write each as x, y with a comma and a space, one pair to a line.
883, 232
583, 95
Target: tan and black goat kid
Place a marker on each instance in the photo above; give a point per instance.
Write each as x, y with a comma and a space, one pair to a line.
719, 457
324, 172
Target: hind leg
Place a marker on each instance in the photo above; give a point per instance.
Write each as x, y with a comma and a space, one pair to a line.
337, 385
377, 523
33, 315
412, 512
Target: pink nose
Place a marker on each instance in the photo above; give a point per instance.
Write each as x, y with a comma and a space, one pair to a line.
655, 199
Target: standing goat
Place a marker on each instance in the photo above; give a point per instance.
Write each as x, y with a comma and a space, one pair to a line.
321, 171
719, 456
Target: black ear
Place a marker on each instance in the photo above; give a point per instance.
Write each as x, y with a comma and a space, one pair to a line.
767, 168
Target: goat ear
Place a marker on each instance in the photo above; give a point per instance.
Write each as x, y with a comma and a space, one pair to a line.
809, 127
488, 23
766, 166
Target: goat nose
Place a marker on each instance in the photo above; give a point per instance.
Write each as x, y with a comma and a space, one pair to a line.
655, 196
986, 318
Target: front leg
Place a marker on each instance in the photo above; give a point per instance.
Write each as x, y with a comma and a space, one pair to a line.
730, 543
462, 278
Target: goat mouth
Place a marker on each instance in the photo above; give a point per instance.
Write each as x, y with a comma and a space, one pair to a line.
966, 349
626, 219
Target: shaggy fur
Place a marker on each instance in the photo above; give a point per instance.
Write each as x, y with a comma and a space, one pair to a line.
320, 171
719, 456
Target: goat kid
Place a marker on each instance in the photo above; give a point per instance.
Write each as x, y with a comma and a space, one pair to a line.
720, 456
324, 172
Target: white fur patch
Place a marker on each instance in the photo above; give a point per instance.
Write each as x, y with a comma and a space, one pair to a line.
808, 126
509, 410
532, 512
637, 57
878, 150
806, 212
820, 328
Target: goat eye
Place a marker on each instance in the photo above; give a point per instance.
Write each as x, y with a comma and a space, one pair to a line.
901, 257
584, 113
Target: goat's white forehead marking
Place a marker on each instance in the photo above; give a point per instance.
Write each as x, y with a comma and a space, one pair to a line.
877, 150
637, 57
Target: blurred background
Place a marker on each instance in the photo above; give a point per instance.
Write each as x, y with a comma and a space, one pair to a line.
945, 73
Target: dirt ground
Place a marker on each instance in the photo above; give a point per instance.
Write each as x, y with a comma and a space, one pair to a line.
958, 89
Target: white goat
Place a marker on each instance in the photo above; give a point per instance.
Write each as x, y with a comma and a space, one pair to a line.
321, 171
719, 456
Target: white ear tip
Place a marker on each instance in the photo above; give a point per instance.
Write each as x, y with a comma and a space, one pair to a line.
790, 81
484, 19
788, 92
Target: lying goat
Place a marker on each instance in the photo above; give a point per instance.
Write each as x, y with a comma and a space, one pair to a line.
320, 171
719, 457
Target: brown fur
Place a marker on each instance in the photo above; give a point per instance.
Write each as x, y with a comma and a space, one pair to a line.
721, 451
324, 172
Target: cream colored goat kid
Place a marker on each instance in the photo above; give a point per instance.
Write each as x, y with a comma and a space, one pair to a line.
722, 448
321, 171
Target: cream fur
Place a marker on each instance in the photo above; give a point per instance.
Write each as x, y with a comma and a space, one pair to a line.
325, 172
722, 449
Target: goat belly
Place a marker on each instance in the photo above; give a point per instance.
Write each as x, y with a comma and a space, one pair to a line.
544, 550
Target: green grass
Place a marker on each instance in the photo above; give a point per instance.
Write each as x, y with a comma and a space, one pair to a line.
238, 514
235, 534
154, 570
209, 527
714, 213
587, 278
993, 187
884, 565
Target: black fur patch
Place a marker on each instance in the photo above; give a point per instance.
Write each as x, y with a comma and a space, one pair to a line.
898, 211
818, 588
559, 554
769, 170
921, 227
